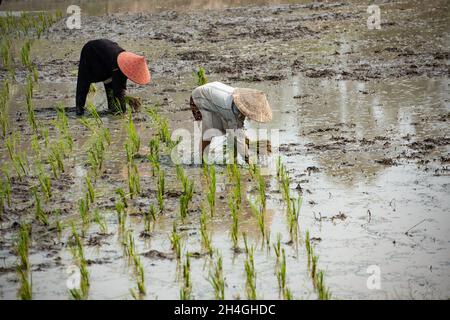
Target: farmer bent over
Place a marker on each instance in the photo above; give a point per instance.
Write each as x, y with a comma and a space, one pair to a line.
223, 108
104, 61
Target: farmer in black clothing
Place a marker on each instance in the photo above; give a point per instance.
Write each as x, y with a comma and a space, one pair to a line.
104, 61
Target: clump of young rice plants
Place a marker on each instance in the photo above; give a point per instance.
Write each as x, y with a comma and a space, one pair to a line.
149, 218
259, 214
100, 139
25, 54
205, 235
249, 265
62, 123
235, 176
134, 184
29, 100
210, 176
121, 215
100, 221
55, 158
19, 159
133, 138
185, 292
160, 190
123, 198
23, 269
44, 181
138, 267
80, 259
235, 222
4, 99
40, 214
175, 241
188, 191
277, 249
281, 271
201, 77
83, 209
217, 280
153, 156
293, 215
261, 185
317, 276
5, 194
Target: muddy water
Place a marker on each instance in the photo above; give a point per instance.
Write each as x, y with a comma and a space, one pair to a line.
365, 138
338, 196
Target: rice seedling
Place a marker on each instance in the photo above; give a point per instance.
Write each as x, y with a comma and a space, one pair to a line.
160, 190
5, 193
322, 291
62, 123
19, 160
58, 223
138, 268
259, 214
121, 216
134, 184
287, 294
277, 248
153, 156
90, 194
281, 272
23, 246
4, 98
175, 241
205, 236
250, 284
123, 198
164, 133
201, 77
133, 138
308, 247
45, 183
23, 269
55, 158
78, 253
235, 223
149, 217
188, 191
293, 216
92, 110
217, 280
30, 108
25, 290
261, 188
100, 220
210, 174
5, 53
83, 209
40, 215
45, 134
185, 292
25, 54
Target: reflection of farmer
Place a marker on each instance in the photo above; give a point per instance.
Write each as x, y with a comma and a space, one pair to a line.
104, 61
221, 107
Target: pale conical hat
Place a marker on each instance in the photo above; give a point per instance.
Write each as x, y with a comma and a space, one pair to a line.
253, 104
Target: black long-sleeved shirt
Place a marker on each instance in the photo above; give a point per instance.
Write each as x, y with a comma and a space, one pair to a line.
98, 62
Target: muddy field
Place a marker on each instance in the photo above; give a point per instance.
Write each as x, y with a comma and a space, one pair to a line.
363, 117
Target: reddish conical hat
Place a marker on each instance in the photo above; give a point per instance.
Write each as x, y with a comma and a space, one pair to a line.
134, 67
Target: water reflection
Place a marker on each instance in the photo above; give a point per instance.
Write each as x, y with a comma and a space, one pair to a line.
120, 6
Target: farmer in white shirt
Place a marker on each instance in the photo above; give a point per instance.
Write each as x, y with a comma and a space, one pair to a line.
223, 109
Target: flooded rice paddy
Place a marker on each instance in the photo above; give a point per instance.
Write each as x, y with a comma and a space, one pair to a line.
363, 117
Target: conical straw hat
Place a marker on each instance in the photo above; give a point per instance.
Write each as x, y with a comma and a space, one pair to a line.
134, 67
253, 104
